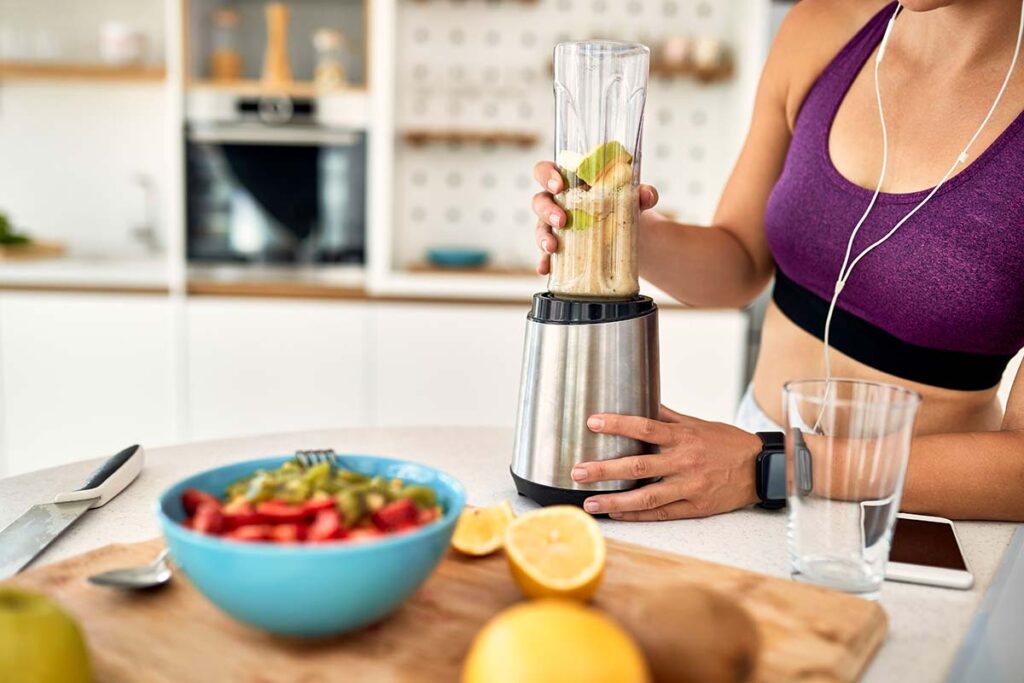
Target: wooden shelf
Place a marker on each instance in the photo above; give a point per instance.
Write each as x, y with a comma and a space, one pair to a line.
489, 271
252, 88
481, 137
722, 72
69, 71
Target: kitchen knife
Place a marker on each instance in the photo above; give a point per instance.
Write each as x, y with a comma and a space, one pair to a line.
28, 535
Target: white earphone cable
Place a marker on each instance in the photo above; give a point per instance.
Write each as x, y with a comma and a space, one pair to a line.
848, 266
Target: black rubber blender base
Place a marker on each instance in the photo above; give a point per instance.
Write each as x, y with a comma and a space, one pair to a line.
549, 495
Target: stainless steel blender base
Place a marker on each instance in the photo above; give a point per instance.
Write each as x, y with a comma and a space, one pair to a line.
582, 358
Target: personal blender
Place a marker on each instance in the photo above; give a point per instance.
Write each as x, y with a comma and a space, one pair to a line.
592, 339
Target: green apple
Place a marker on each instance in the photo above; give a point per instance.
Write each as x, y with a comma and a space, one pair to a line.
597, 161
39, 642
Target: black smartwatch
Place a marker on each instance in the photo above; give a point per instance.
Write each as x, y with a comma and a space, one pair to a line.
770, 470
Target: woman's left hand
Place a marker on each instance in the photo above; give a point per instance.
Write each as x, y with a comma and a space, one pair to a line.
705, 467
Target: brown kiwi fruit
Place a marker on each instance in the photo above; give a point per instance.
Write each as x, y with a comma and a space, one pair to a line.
691, 634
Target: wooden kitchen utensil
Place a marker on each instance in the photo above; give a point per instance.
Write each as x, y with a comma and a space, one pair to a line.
175, 635
277, 69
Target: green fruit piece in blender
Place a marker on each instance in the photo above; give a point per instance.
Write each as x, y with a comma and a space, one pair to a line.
600, 158
577, 219
39, 641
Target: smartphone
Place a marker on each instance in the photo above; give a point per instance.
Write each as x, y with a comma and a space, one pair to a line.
926, 550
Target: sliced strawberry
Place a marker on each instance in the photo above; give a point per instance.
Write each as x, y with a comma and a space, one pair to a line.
393, 515
191, 499
251, 532
364, 534
317, 503
208, 519
325, 527
427, 515
238, 513
278, 512
288, 533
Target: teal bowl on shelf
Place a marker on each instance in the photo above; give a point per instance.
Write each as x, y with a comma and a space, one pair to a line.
457, 257
310, 590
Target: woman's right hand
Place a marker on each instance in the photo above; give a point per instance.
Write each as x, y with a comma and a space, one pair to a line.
551, 216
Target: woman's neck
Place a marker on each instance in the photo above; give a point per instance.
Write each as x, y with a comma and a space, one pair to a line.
965, 35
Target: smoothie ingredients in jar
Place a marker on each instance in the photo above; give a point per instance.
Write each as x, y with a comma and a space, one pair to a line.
596, 254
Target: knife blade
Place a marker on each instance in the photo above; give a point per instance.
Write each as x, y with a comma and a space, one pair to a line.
24, 538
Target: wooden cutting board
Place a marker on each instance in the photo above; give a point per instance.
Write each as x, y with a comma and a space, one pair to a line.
174, 635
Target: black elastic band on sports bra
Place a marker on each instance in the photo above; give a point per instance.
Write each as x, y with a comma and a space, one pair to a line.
877, 348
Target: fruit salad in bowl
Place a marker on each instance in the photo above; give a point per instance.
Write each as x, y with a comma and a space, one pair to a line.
318, 504
310, 551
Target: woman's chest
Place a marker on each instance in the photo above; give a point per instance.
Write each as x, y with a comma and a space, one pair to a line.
951, 277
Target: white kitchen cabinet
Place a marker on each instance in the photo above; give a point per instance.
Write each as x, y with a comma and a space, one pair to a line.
259, 366
460, 364
83, 375
448, 364
703, 355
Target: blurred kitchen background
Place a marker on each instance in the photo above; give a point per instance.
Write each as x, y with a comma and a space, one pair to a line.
250, 218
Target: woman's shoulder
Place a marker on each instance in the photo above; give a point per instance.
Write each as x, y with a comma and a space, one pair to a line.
811, 35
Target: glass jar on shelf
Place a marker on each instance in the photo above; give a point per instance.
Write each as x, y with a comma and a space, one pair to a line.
331, 58
225, 59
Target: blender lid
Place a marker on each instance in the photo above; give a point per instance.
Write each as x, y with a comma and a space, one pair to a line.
556, 310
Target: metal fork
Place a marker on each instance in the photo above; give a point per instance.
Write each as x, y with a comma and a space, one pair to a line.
314, 457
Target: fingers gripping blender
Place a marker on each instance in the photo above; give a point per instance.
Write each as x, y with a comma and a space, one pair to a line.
592, 339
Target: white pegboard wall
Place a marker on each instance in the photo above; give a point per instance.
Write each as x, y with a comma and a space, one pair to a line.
485, 65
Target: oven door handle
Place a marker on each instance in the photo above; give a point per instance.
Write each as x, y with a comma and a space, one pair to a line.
273, 135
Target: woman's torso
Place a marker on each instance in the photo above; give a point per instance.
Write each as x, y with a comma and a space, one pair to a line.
941, 304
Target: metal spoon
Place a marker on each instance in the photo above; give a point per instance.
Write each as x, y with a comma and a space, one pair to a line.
151, 575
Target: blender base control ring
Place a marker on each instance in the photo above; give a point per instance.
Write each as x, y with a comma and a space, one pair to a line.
550, 495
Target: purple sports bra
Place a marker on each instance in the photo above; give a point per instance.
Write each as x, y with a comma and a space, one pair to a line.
942, 301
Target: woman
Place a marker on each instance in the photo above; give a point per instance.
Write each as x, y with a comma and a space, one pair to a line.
938, 308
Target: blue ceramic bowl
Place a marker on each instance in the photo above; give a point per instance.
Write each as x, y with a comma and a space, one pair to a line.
310, 590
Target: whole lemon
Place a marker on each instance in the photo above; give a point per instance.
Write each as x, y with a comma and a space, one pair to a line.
553, 641
39, 642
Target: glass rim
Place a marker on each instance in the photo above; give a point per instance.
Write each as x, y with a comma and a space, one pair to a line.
615, 48
907, 397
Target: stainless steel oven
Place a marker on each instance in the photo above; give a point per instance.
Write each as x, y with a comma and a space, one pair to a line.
267, 184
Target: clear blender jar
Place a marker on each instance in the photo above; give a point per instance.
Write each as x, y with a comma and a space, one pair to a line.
600, 92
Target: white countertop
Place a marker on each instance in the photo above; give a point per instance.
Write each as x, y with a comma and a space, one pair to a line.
85, 271
926, 624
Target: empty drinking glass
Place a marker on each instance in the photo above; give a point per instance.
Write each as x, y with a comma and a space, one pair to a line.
847, 447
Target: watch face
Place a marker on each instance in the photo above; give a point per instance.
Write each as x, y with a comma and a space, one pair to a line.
776, 470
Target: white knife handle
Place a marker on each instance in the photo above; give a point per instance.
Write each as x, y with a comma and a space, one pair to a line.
109, 479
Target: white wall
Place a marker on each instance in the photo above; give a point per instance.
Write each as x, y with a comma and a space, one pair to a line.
69, 153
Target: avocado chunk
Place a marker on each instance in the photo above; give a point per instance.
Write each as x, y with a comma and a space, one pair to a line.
596, 162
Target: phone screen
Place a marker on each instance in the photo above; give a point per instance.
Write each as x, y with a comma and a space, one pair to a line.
931, 544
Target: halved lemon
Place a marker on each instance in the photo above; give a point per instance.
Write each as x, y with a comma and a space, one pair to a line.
556, 552
481, 531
